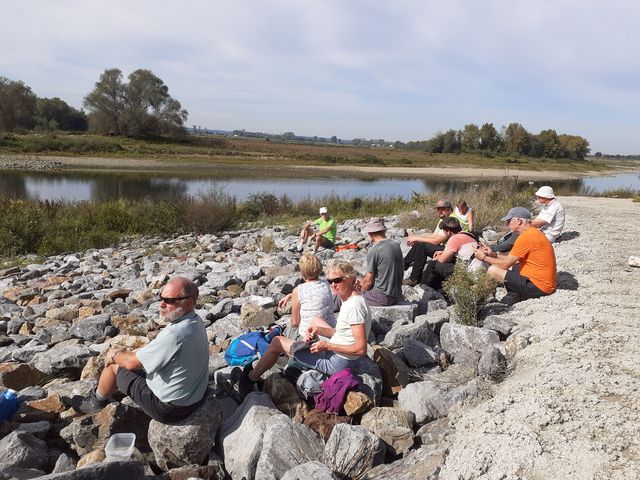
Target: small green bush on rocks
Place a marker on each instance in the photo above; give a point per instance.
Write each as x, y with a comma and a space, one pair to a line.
468, 292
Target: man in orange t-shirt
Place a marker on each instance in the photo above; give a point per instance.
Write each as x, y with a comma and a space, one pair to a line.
532, 259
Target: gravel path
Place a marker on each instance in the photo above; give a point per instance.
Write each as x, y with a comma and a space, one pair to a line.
571, 406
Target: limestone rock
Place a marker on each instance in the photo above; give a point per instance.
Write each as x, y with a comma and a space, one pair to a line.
465, 343
81, 434
284, 395
417, 354
395, 374
392, 425
420, 330
102, 471
433, 434
64, 314
11, 472
63, 358
634, 261
315, 470
254, 316
493, 363
91, 328
423, 463
286, 444
18, 376
353, 450
130, 324
94, 456
22, 449
383, 318
357, 403
240, 436
188, 441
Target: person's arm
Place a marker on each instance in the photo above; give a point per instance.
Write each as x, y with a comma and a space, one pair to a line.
122, 358
330, 224
444, 256
367, 282
538, 222
432, 238
359, 347
315, 331
283, 301
501, 260
295, 308
470, 219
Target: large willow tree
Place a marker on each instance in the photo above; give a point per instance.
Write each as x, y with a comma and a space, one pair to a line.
141, 106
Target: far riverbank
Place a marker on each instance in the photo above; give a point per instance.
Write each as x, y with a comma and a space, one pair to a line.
178, 165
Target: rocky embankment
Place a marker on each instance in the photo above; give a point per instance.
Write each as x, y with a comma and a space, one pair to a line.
545, 388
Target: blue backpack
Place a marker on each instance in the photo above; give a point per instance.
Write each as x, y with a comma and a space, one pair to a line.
249, 346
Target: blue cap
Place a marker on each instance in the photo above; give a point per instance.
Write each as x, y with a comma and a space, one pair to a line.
517, 212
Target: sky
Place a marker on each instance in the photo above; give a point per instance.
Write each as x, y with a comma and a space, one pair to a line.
399, 70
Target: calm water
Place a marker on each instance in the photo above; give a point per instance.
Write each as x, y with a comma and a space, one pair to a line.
107, 186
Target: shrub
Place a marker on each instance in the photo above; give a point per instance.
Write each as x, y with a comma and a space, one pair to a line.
468, 291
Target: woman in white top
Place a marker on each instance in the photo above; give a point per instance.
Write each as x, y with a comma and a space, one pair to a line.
347, 341
465, 214
312, 298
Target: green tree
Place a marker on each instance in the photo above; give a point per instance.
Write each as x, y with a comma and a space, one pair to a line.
142, 106
54, 113
470, 139
550, 144
489, 137
516, 139
17, 106
574, 146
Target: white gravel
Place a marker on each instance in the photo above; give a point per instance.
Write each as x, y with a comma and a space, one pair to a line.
571, 406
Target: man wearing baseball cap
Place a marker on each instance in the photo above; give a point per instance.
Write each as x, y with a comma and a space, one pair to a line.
382, 285
550, 220
325, 236
529, 270
425, 246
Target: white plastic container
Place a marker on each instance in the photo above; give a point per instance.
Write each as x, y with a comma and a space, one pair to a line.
120, 447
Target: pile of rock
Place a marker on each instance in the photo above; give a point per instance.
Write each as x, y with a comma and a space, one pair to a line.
59, 317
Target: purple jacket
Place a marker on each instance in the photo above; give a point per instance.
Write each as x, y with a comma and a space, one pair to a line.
334, 391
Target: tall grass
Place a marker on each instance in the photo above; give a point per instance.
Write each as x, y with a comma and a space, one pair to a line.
49, 227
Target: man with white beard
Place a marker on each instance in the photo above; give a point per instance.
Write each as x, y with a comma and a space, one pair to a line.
168, 377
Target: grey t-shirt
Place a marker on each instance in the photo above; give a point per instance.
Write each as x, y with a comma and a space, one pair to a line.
176, 362
384, 261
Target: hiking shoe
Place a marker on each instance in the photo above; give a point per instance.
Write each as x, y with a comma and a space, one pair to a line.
410, 281
90, 404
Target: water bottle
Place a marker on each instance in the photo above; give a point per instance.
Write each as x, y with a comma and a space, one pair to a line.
273, 332
8, 404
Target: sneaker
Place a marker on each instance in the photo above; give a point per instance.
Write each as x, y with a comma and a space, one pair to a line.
90, 404
299, 248
410, 281
242, 384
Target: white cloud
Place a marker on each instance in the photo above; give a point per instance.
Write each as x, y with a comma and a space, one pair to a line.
397, 70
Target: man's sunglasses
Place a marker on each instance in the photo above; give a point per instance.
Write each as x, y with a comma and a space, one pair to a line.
335, 280
172, 300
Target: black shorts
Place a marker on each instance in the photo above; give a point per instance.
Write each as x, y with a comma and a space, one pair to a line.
514, 282
133, 383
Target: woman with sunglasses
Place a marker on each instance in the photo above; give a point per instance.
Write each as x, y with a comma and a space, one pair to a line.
347, 341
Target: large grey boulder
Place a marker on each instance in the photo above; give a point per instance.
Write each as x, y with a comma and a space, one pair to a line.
466, 343
63, 358
502, 325
11, 472
27, 352
221, 309
227, 327
188, 441
493, 363
369, 379
129, 470
420, 330
286, 444
81, 435
240, 436
432, 398
351, 450
22, 449
417, 354
314, 470
393, 425
91, 328
423, 463
434, 433
383, 318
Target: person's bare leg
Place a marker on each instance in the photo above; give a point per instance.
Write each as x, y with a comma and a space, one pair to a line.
306, 232
107, 383
497, 273
277, 346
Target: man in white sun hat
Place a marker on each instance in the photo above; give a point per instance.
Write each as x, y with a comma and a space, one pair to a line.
550, 220
325, 236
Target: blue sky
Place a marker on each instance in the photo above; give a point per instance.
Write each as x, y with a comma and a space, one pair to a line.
400, 70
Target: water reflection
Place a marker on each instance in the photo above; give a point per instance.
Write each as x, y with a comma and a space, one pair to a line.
243, 183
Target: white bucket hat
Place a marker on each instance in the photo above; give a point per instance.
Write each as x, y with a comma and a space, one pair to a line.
323, 210
545, 192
